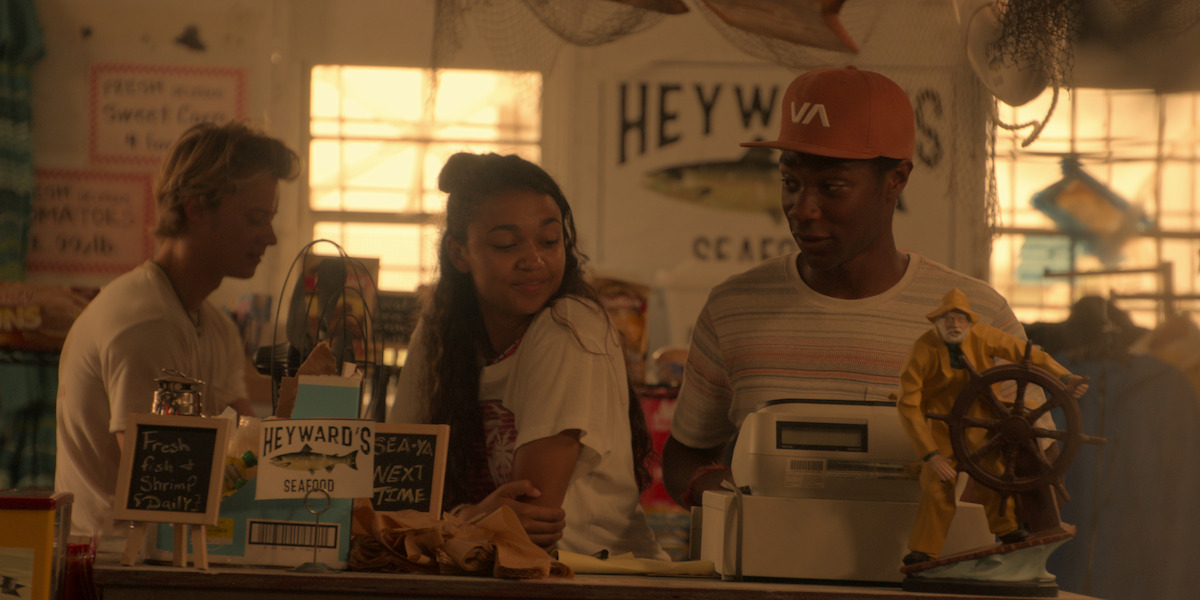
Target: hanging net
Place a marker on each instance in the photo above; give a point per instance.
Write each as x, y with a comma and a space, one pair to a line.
1037, 34
527, 35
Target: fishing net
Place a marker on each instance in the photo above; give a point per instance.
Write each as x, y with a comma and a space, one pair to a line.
1037, 34
527, 35
1040, 35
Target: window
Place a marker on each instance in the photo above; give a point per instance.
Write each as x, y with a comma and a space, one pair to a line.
1131, 233
378, 138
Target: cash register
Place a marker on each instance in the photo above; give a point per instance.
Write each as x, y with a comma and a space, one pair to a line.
827, 490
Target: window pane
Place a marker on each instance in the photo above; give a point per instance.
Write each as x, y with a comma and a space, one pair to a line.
325, 93
1134, 119
325, 198
408, 253
1115, 135
488, 106
378, 144
371, 98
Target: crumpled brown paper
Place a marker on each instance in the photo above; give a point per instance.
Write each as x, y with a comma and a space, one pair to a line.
413, 542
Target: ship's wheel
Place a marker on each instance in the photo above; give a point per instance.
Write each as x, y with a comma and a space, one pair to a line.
1012, 455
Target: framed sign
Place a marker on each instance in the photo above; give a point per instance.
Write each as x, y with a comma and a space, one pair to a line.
137, 110
90, 222
171, 469
301, 456
410, 467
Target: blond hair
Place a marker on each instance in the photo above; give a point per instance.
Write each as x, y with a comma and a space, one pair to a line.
207, 162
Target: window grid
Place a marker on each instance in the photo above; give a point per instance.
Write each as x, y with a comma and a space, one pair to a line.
378, 137
1145, 147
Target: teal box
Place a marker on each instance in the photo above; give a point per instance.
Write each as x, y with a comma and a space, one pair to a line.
283, 532
278, 532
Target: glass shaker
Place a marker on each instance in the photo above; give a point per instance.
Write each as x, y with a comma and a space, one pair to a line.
179, 395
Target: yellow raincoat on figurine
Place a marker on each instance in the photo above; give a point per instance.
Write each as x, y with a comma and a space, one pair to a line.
931, 381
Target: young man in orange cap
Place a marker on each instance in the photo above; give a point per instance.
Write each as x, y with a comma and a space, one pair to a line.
835, 320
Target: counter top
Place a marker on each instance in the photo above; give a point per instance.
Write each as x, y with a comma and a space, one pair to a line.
146, 582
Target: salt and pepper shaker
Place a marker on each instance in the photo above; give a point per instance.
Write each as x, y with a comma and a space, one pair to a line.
178, 395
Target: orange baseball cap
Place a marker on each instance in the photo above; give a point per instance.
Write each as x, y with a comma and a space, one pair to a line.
845, 112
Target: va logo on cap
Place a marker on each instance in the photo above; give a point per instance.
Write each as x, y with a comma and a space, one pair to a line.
808, 112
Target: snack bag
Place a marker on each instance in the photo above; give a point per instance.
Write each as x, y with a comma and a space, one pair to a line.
626, 303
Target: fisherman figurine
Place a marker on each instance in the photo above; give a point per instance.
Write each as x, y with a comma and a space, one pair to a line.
933, 377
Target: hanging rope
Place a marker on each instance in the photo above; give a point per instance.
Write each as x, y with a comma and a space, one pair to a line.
1037, 125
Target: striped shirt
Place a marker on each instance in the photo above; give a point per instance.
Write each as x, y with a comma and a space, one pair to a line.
765, 335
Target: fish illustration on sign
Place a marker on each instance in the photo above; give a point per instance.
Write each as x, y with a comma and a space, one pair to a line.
307, 460
9, 586
750, 184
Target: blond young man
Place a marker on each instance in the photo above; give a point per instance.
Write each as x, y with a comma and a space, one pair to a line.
216, 192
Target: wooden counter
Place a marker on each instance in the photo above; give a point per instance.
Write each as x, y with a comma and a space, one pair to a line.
148, 582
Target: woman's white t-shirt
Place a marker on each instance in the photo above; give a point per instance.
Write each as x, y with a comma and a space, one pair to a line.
567, 373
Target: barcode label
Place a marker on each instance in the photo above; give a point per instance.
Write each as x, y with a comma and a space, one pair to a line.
807, 464
805, 473
267, 533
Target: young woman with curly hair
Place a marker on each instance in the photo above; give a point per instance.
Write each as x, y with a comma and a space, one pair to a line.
516, 354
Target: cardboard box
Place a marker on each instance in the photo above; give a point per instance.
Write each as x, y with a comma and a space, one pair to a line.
272, 532
33, 543
284, 532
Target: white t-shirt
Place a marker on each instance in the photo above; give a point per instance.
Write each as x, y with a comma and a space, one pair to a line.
765, 335
119, 345
566, 374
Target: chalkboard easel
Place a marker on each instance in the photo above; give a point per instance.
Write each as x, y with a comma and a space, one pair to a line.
170, 472
410, 467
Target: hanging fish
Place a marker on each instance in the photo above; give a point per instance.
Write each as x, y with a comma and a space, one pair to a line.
307, 460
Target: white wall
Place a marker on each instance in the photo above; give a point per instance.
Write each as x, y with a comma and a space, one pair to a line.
915, 41
79, 34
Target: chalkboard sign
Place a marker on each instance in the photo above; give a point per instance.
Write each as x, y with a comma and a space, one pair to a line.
410, 467
171, 469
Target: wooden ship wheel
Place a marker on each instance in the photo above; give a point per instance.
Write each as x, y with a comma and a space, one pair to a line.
1001, 444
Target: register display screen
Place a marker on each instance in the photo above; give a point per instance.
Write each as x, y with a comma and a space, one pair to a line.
806, 435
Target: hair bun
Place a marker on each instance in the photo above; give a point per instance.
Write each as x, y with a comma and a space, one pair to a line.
460, 171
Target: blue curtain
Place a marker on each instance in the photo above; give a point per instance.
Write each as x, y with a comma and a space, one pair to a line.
28, 384
1133, 499
20, 47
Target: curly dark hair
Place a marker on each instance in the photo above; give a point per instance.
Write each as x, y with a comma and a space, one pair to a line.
456, 342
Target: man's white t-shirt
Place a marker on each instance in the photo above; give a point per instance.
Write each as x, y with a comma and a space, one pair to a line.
119, 345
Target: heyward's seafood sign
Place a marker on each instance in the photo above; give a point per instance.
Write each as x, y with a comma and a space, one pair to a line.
303, 456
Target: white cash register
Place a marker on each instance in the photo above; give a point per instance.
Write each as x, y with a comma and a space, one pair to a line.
832, 496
